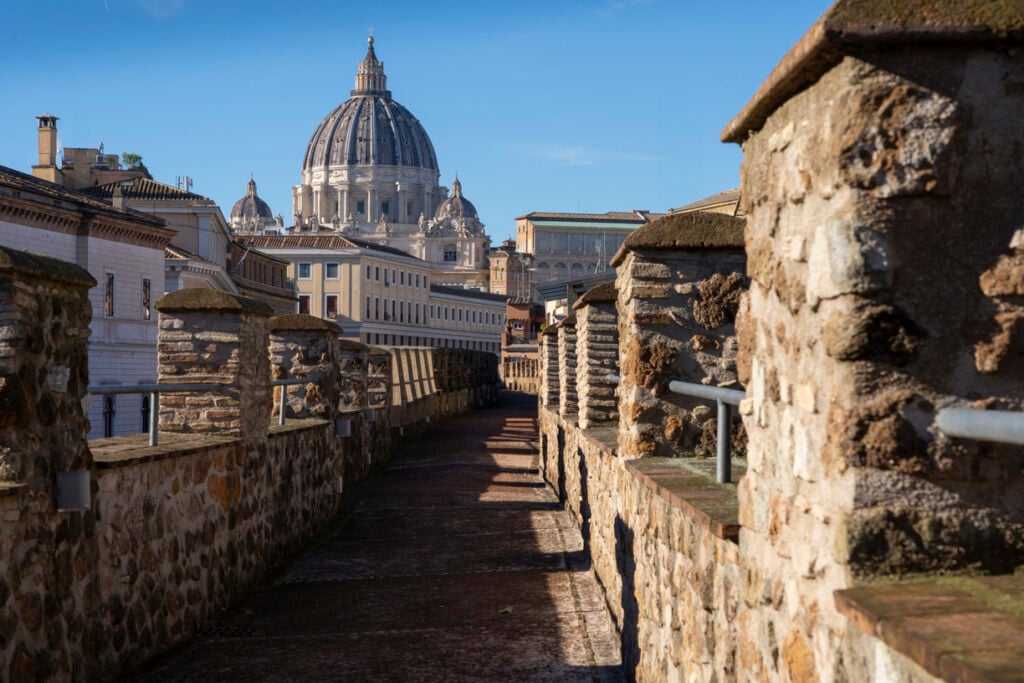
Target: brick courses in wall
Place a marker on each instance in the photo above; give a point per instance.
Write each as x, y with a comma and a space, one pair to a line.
597, 348
567, 398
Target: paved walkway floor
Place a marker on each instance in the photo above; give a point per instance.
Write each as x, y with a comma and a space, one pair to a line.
457, 564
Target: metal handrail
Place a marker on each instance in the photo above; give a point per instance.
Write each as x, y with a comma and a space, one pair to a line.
154, 391
982, 425
725, 399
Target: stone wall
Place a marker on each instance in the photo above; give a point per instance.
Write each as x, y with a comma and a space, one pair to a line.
567, 397
679, 282
597, 351
885, 258
46, 586
178, 531
521, 375
670, 579
883, 237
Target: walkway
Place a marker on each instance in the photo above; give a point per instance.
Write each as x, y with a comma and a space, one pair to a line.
457, 564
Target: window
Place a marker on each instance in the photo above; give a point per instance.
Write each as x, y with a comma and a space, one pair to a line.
376, 338
460, 315
385, 208
386, 281
368, 273
394, 278
392, 309
417, 280
451, 254
376, 308
331, 306
305, 271
368, 308
377, 273
401, 311
360, 206
108, 415
474, 316
304, 303
408, 209
417, 314
108, 296
147, 310
330, 271
445, 312
401, 277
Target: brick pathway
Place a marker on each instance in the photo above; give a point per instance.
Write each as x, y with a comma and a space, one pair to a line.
456, 565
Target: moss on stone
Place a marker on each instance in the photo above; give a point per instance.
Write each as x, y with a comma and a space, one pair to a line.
349, 345
600, 294
37, 265
697, 230
204, 299
852, 23
299, 322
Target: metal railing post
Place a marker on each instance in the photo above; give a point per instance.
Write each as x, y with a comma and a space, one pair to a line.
154, 412
280, 415
724, 463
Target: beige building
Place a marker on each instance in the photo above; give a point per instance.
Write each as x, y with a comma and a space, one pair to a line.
381, 295
566, 246
510, 273
727, 202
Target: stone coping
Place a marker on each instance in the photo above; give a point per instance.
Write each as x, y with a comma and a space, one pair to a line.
205, 299
120, 451
603, 293
605, 435
958, 628
37, 265
294, 424
568, 321
11, 488
695, 231
713, 506
300, 322
350, 345
849, 23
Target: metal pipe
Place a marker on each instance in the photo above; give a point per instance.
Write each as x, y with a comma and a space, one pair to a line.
723, 465
982, 425
731, 396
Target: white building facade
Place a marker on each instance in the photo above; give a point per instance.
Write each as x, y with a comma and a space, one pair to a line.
124, 252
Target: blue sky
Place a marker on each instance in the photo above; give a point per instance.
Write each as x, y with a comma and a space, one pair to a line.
564, 105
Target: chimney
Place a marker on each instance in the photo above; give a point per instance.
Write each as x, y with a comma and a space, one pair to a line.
47, 169
118, 198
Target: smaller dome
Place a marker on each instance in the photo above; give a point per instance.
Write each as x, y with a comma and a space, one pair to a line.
251, 206
456, 206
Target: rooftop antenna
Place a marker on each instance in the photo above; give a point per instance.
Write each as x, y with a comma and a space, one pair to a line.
184, 183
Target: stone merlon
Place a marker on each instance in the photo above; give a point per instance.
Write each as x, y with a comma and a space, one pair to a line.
300, 322
202, 299
569, 321
857, 23
27, 263
601, 294
696, 230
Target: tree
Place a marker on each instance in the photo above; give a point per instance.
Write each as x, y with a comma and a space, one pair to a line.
131, 160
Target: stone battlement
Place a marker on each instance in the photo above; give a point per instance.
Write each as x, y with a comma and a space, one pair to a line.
176, 532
